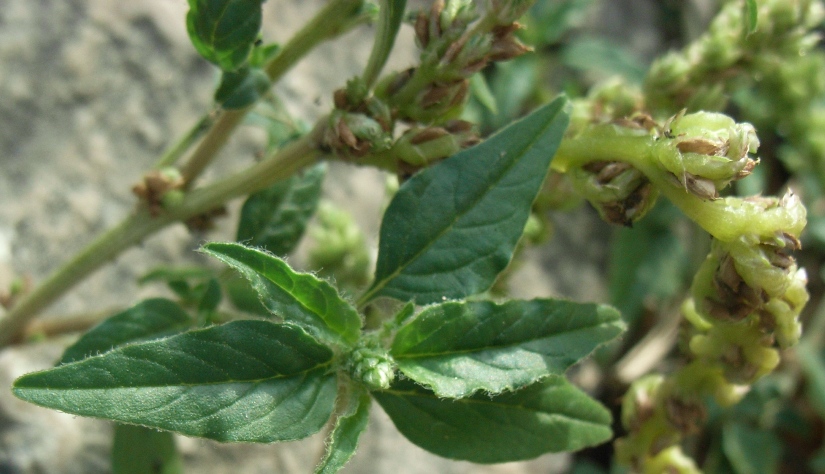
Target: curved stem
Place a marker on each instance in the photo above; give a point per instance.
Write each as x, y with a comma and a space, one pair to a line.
724, 219
140, 224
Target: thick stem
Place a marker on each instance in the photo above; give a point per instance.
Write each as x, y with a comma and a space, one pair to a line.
140, 224
723, 219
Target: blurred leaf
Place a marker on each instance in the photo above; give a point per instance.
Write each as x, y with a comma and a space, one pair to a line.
275, 219
343, 440
456, 349
605, 58
140, 450
451, 229
263, 53
299, 298
512, 84
210, 297
224, 31
186, 282
252, 381
751, 16
150, 319
547, 21
481, 91
241, 88
271, 115
243, 296
813, 364
750, 450
551, 416
647, 261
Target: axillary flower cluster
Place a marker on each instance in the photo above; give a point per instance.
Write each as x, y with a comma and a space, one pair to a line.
746, 297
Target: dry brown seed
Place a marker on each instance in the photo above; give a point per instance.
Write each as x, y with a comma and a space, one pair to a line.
702, 147
422, 29
507, 48
701, 187
435, 94
345, 134
611, 171
428, 134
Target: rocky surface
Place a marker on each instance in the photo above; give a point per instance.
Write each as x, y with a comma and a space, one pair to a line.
92, 91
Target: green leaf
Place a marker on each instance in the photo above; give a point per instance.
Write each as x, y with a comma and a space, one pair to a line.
451, 229
300, 298
481, 91
456, 349
648, 261
243, 296
551, 416
343, 440
252, 381
210, 297
140, 450
149, 319
263, 53
605, 58
750, 450
751, 16
241, 88
224, 31
186, 282
275, 219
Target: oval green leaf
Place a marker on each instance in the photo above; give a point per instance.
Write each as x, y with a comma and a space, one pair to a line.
241, 88
252, 381
275, 219
150, 319
224, 31
551, 416
458, 348
299, 298
452, 228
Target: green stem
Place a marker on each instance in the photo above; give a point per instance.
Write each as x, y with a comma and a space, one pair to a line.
386, 31
140, 224
176, 151
724, 219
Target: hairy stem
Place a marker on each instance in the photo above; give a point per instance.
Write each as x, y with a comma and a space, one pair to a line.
140, 224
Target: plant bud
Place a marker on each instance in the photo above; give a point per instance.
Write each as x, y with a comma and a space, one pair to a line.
353, 134
156, 185
372, 366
